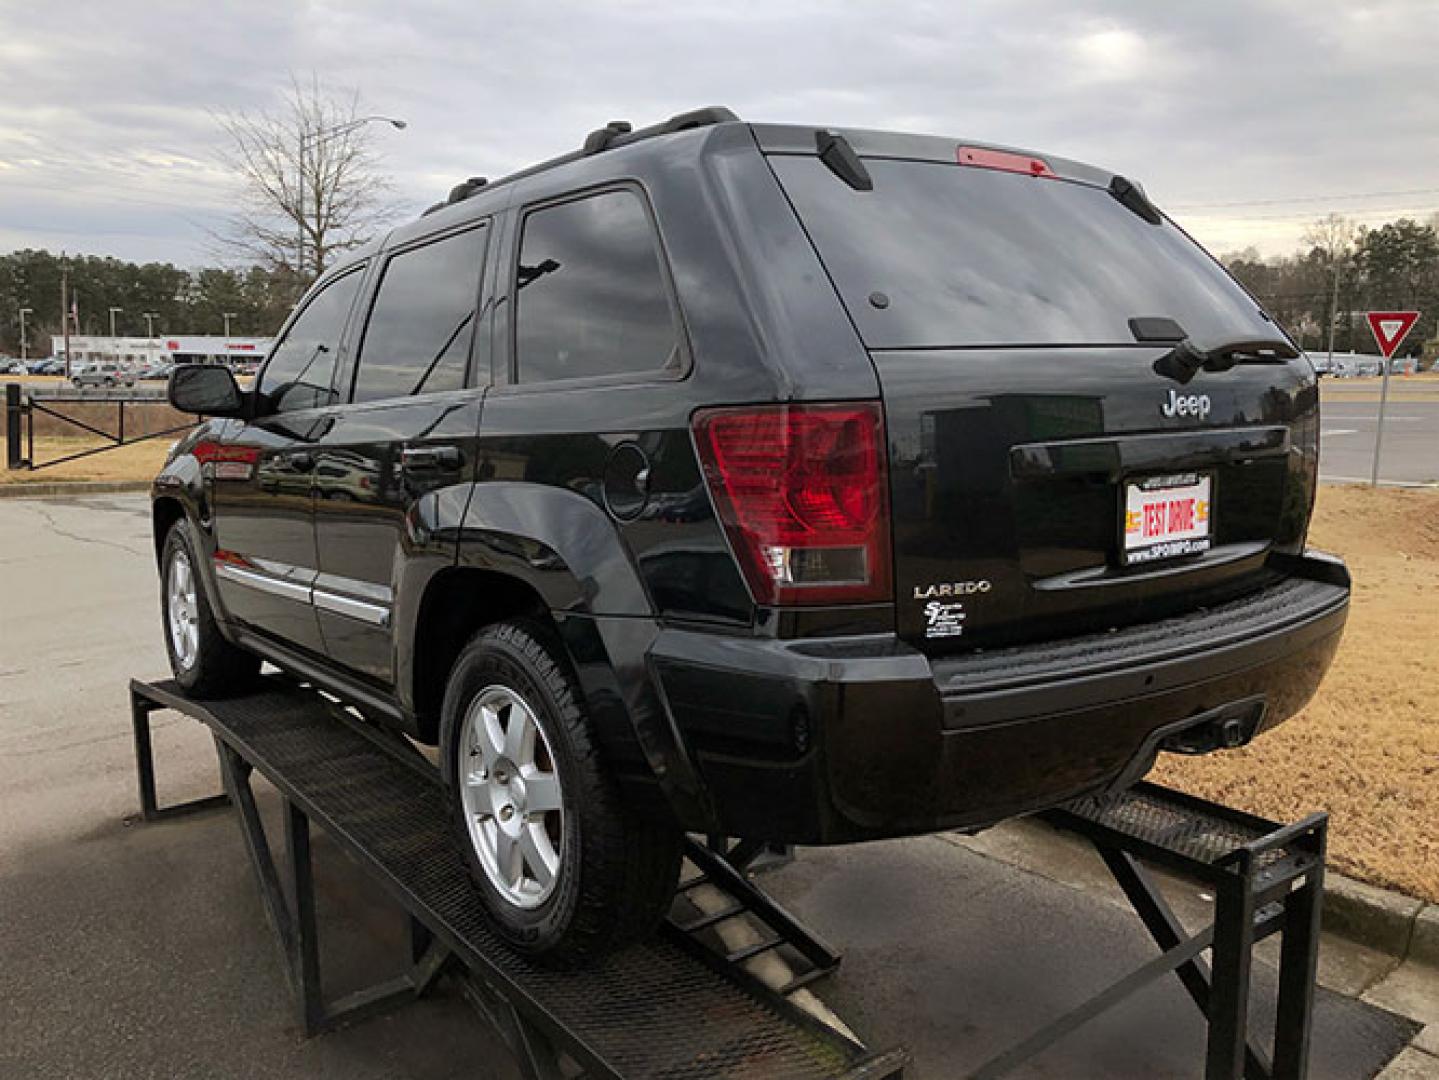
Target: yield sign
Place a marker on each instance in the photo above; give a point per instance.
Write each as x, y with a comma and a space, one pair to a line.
1389, 328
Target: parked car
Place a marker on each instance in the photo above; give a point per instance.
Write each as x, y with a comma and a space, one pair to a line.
102, 374
775, 482
13, 367
156, 372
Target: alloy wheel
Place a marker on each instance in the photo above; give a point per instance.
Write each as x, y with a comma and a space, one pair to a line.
511, 795
182, 607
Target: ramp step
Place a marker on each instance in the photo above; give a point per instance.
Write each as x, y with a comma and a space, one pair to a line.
694, 926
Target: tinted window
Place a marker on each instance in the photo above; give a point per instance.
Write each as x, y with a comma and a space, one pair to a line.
301, 367
971, 256
422, 322
590, 294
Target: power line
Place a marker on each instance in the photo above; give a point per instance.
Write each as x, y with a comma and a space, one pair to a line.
1307, 199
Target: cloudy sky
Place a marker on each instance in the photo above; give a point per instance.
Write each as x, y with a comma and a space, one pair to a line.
1244, 119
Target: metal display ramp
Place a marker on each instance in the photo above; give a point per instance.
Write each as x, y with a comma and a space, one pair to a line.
683, 1005
665, 1008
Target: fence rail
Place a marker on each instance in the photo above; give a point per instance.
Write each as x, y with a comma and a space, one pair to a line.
23, 405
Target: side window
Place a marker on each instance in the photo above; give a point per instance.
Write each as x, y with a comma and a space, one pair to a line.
422, 321
590, 296
301, 368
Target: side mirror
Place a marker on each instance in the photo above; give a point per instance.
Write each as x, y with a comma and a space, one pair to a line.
208, 389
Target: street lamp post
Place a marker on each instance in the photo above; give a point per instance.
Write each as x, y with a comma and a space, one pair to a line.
318, 138
24, 341
227, 316
113, 312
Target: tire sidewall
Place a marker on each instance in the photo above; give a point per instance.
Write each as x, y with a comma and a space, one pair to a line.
179, 539
488, 661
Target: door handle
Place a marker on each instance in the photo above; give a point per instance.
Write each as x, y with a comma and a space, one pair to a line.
431, 457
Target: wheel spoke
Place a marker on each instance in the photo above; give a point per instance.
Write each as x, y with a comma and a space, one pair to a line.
542, 792
489, 736
508, 857
520, 737
540, 855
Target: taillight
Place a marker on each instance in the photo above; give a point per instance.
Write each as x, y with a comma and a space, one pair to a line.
802, 493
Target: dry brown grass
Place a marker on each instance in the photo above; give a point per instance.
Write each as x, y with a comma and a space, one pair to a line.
138, 461
1367, 747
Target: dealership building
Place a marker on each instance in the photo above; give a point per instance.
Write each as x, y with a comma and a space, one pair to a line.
180, 349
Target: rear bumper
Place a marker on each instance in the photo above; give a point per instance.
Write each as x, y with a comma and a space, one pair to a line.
836, 740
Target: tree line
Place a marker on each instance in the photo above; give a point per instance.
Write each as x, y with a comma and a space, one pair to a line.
1342, 271
181, 301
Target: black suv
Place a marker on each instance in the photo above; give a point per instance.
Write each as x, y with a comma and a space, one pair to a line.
785, 483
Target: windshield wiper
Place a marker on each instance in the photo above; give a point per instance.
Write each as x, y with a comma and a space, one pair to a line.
1187, 357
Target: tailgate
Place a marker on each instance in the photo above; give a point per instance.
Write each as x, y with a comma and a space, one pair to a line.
1049, 475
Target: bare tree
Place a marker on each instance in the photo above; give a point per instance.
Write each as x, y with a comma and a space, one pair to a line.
1333, 236
312, 184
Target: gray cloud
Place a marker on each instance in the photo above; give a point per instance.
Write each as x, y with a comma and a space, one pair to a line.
107, 137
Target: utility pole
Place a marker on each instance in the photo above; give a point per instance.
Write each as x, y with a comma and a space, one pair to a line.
65, 309
227, 316
24, 341
1333, 312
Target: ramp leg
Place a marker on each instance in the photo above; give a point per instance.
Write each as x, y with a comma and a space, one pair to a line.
1229, 997
305, 959
532, 1049
1298, 972
150, 809
1164, 926
236, 773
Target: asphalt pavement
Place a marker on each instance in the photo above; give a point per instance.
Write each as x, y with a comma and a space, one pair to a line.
134, 950
1349, 416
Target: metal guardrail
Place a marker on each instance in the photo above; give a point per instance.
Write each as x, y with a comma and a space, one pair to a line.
23, 404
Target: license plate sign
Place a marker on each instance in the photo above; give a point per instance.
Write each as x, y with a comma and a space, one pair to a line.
1166, 517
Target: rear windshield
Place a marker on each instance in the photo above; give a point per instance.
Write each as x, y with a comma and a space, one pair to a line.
970, 256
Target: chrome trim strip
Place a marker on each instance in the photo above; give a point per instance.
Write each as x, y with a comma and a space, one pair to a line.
348, 586
290, 590
364, 611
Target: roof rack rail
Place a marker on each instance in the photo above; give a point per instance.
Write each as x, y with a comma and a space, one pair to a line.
615, 133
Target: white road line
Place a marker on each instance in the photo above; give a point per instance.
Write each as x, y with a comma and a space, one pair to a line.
1329, 433
1382, 483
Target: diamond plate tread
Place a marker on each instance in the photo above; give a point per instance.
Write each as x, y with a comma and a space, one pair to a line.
652, 1010
1148, 814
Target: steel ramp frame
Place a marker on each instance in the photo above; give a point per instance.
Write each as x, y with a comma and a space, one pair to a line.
1266, 879
542, 1044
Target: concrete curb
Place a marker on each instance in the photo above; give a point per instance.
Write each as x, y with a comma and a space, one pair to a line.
61, 488
1381, 919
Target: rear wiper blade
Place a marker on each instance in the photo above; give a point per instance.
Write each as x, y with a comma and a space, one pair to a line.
1187, 356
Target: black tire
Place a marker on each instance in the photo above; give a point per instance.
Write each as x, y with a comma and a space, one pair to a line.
616, 868
215, 668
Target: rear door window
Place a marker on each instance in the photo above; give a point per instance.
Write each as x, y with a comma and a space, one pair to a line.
423, 318
591, 296
970, 256
301, 369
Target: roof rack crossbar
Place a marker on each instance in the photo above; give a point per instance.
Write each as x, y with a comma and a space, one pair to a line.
614, 134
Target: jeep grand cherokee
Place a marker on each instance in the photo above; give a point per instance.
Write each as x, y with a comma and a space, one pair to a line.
778, 482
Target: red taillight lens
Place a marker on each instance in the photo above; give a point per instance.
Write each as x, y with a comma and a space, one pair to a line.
802, 493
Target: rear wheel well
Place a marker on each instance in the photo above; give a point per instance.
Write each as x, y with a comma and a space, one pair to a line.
164, 513
456, 604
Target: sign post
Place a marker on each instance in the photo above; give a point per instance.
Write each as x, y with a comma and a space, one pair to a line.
1389, 329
